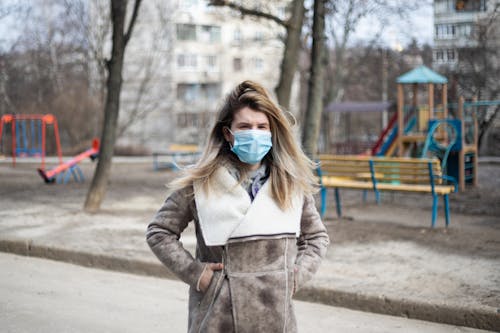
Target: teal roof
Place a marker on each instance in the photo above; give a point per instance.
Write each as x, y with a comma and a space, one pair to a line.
421, 74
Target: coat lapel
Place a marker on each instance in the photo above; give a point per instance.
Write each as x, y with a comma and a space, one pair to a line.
226, 211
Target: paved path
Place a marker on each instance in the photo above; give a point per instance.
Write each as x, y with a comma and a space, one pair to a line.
40, 295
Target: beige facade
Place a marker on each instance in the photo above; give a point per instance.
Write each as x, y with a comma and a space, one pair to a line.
194, 55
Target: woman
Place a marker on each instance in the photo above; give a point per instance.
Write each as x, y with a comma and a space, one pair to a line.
259, 235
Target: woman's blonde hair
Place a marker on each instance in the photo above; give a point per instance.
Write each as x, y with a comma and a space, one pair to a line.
290, 169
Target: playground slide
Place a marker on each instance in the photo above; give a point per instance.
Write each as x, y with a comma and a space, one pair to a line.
388, 146
49, 176
381, 138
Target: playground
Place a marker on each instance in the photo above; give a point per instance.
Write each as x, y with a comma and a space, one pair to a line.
384, 253
136, 187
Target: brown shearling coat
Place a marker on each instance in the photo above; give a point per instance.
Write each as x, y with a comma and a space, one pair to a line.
253, 292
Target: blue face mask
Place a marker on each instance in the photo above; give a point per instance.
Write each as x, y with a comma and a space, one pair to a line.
251, 145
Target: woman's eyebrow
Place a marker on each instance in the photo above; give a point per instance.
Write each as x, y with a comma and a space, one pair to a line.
246, 123
242, 123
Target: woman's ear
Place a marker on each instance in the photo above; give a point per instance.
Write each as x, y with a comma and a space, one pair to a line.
227, 134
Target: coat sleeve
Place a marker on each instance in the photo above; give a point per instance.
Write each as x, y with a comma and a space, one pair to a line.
163, 235
312, 243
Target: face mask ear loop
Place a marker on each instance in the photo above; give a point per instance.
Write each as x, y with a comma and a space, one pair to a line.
230, 145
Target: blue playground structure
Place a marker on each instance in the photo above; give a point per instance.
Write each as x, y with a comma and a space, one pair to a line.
28, 137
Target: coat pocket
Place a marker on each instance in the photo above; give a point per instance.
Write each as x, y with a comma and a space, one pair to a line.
261, 301
209, 294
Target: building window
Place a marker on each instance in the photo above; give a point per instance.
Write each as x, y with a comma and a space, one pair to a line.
211, 91
445, 31
281, 12
186, 120
450, 55
439, 55
259, 36
186, 32
200, 93
211, 62
237, 35
445, 6
187, 92
210, 34
237, 64
470, 5
187, 61
258, 64
464, 29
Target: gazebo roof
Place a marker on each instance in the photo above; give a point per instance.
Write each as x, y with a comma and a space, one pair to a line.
421, 74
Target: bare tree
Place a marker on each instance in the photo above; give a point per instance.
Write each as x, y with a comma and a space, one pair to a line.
310, 130
148, 76
140, 73
293, 26
478, 68
45, 68
121, 37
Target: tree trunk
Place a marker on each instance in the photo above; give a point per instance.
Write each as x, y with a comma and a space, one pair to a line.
290, 54
98, 187
310, 131
293, 28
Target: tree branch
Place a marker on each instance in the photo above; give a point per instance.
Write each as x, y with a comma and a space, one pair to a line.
247, 11
132, 22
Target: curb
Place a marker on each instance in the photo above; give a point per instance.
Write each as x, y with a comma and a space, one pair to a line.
439, 313
476, 318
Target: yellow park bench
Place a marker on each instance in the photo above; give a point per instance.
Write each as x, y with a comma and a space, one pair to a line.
421, 175
176, 154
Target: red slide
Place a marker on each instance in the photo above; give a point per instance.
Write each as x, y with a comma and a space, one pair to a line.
49, 176
382, 136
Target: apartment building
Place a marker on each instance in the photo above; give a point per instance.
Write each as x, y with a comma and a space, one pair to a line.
455, 23
184, 57
467, 51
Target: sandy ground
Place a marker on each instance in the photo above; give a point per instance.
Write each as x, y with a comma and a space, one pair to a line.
136, 190
386, 250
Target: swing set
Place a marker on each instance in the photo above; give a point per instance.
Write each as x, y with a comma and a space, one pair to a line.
28, 138
28, 135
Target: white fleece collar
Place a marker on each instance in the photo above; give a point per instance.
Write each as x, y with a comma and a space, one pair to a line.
226, 212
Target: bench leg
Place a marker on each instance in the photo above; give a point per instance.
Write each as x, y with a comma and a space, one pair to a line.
434, 210
377, 197
338, 203
364, 196
323, 200
446, 209
156, 167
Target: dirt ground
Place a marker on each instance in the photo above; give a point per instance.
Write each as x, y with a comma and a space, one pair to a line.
362, 222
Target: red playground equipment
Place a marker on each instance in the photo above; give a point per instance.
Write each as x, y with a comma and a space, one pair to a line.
32, 143
63, 171
19, 123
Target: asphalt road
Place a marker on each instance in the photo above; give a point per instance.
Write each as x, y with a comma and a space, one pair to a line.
38, 295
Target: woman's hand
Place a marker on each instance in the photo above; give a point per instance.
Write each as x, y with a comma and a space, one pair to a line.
207, 275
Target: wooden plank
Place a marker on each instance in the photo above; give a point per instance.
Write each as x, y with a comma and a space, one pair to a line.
346, 183
439, 189
183, 148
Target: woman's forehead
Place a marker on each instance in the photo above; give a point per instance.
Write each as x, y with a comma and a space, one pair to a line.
249, 115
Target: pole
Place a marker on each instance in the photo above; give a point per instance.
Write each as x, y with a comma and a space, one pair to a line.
461, 155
